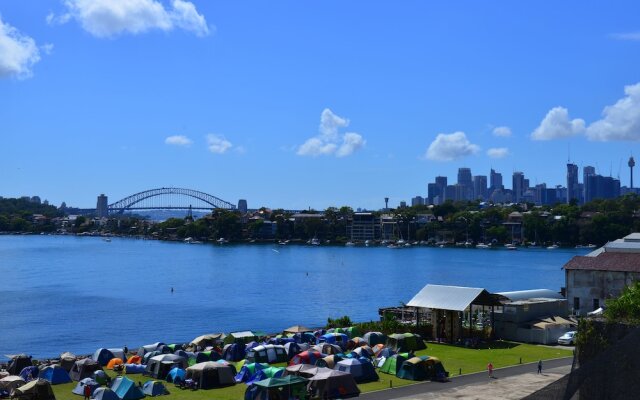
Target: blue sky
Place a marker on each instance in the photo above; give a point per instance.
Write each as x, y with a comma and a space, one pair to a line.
310, 104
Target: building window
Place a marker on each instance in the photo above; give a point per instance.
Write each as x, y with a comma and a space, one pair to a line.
576, 303
596, 304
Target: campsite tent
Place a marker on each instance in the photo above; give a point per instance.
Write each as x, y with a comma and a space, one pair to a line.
175, 375
326, 348
361, 369
414, 369
295, 348
288, 387
135, 368
331, 384
303, 370
67, 360
126, 389
147, 356
84, 369
435, 369
248, 371
374, 338
154, 388
305, 337
11, 382
134, 360
393, 363
211, 375
402, 342
339, 339
102, 356
364, 351
102, 393
55, 374
243, 337
328, 361
38, 389
18, 363
234, 352
114, 362
79, 389
100, 376
269, 353
306, 357
270, 372
209, 339
29, 373
142, 350
118, 353
159, 366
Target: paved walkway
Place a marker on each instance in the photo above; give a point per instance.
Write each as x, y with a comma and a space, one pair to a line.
508, 383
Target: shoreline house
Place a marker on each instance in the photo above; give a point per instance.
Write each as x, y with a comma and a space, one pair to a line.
602, 274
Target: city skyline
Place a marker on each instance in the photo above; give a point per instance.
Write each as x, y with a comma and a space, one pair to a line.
310, 106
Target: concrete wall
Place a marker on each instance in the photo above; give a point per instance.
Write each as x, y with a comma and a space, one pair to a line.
588, 285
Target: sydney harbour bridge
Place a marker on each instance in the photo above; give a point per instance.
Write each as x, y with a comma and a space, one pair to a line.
163, 199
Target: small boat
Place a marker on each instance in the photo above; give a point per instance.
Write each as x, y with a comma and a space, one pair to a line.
283, 242
483, 246
222, 241
106, 239
350, 244
591, 246
394, 246
510, 246
315, 241
367, 243
553, 247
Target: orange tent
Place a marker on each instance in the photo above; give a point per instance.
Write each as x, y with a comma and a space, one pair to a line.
134, 360
113, 362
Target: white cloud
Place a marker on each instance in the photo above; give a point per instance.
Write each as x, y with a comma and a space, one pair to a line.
109, 18
18, 53
633, 36
502, 131
350, 143
329, 141
556, 124
218, 144
449, 147
620, 121
498, 152
178, 140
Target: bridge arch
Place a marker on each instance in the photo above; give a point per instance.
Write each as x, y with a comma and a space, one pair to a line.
136, 201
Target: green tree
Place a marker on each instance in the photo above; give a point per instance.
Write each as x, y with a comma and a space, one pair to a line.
626, 307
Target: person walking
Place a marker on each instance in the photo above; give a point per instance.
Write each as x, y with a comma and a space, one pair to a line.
539, 366
490, 369
86, 391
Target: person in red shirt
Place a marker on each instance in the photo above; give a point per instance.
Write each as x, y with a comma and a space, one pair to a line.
87, 392
490, 369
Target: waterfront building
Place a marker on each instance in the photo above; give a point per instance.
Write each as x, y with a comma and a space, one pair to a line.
602, 274
102, 206
364, 226
573, 188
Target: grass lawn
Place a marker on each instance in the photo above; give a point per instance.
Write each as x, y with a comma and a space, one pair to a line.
454, 358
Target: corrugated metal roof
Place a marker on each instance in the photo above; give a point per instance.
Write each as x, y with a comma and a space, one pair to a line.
532, 294
455, 298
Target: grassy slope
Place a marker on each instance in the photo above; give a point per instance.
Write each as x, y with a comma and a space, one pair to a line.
454, 358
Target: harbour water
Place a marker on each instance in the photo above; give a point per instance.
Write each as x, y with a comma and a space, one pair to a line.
65, 293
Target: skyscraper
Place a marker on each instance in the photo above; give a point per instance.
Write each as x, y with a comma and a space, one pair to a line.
495, 180
102, 207
586, 173
517, 186
480, 187
466, 181
573, 188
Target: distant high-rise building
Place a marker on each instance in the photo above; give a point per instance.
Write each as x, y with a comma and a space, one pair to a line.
433, 192
102, 207
517, 186
480, 187
495, 180
466, 181
601, 187
417, 201
403, 204
631, 164
573, 188
242, 205
586, 173
441, 181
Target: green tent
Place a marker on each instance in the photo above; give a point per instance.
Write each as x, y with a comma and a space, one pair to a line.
414, 369
405, 342
290, 386
243, 337
392, 364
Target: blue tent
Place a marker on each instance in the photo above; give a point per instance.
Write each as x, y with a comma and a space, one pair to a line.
134, 368
126, 389
361, 369
154, 388
294, 348
339, 339
102, 356
55, 374
234, 352
249, 370
79, 389
176, 373
305, 337
29, 373
104, 394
